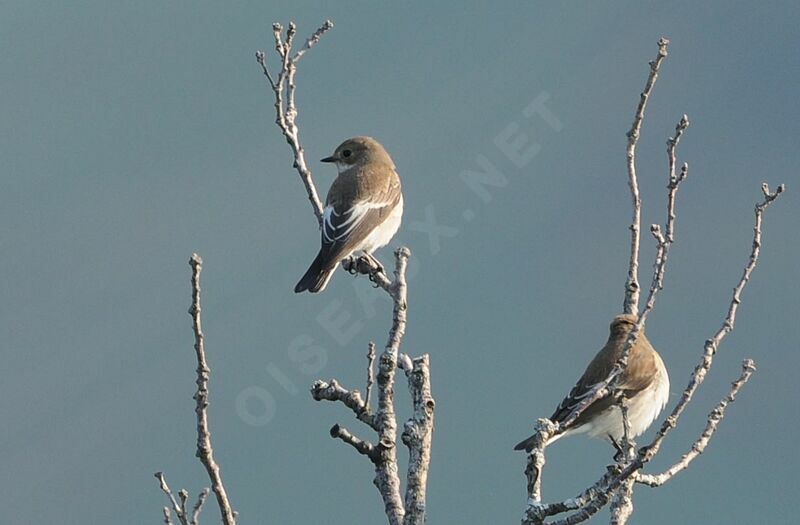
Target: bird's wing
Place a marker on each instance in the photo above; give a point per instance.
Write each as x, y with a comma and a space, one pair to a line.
582, 389
344, 230
637, 376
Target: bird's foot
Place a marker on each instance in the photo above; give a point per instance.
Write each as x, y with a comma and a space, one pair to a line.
371, 264
351, 264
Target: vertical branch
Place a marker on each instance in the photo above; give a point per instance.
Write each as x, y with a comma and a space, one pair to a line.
622, 504
162, 483
418, 430
535, 511
386, 472
285, 108
204, 450
417, 436
201, 499
674, 179
631, 303
370, 374
627, 445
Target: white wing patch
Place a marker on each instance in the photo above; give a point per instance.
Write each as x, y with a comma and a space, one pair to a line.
334, 231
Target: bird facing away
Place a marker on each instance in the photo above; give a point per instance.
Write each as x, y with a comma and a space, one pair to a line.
644, 384
363, 208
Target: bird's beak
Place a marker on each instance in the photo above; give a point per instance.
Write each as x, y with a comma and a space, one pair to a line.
332, 158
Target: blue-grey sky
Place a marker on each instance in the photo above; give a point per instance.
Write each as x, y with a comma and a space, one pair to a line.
134, 133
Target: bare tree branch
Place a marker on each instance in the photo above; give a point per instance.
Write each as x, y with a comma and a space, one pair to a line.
370, 373
418, 431
198, 507
712, 345
205, 452
417, 436
699, 446
631, 304
183, 494
363, 447
544, 430
285, 107
162, 483
322, 391
622, 504
386, 472
167, 516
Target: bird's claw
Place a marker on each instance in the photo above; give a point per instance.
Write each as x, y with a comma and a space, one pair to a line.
350, 265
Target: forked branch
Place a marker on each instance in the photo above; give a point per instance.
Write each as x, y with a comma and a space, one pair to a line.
205, 452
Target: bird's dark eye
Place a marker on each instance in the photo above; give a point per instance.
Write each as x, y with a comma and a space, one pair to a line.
346, 153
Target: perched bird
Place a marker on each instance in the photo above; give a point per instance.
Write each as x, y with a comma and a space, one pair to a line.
363, 208
644, 383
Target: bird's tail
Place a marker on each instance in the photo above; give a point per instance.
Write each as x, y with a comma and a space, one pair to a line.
526, 445
317, 277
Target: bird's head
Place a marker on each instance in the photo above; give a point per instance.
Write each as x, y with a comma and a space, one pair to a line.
359, 151
623, 323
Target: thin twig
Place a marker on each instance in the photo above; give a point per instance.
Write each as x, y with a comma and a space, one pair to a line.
198, 507
712, 345
167, 516
286, 108
183, 494
699, 446
370, 373
362, 446
313, 40
162, 483
631, 303
205, 451
333, 391
674, 179
535, 513
627, 442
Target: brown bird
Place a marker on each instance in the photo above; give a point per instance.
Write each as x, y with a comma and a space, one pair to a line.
363, 208
644, 383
